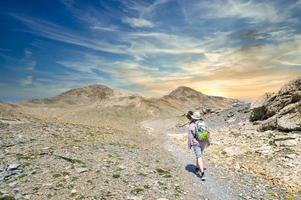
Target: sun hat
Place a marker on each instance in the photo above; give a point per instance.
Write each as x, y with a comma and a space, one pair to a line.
196, 115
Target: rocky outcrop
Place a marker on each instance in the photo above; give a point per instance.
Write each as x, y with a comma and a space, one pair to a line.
280, 111
258, 107
288, 119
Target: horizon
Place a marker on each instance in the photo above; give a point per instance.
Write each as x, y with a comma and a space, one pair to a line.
115, 89
233, 49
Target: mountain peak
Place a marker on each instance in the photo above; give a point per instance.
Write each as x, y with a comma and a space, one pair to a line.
184, 91
94, 91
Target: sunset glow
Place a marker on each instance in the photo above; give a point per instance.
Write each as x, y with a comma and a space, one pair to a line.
237, 49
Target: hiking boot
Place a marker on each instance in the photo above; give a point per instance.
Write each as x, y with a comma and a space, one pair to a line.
199, 173
203, 177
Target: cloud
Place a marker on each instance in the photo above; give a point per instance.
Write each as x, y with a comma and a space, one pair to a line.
25, 63
144, 9
103, 28
55, 32
90, 16
138, 22
26, 81
253, 11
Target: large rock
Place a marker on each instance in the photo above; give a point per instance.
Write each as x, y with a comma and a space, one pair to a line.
287, 119
258, 108
280, 111
290, 118
270, 104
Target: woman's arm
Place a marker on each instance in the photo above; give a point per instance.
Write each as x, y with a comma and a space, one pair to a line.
191, 139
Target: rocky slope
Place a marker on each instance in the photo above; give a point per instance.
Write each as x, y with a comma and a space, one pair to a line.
281, 110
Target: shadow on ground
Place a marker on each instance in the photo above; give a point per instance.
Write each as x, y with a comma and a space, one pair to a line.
190, 168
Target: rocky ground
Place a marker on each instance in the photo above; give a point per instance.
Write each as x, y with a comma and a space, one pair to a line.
233, 171
272, 155
50, 160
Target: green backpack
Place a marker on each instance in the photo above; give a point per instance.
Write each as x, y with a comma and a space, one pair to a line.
201, 131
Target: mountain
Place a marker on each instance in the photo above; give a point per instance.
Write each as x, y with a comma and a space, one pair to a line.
98, 104
192, 99
78, 95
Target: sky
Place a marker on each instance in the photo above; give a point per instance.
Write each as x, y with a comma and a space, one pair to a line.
238, 49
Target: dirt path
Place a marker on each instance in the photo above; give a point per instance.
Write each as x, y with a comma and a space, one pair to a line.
221, 183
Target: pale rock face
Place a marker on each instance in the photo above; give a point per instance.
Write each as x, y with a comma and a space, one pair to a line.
290, 121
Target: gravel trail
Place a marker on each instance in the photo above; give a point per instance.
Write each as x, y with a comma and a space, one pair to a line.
221, 183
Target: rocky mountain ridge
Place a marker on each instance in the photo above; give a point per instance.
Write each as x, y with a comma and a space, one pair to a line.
94, 103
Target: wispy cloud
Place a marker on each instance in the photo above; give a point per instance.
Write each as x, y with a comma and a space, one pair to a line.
26, 81
254, 11
55, 32
144, 9
103, 28
138, 22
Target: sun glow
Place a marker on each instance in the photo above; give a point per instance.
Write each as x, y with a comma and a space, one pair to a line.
216, 93
212, 89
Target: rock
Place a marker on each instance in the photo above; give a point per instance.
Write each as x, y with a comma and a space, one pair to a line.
233, 150
287, 119
231, 120
258, 107
290, 156
81, 169
269, 124
12, 184
13, 166
28, 196
265, 150
73, 191
292, 86
285, 141
18, 196
283, 109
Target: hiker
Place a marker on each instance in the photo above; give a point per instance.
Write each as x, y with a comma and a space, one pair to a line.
199, 139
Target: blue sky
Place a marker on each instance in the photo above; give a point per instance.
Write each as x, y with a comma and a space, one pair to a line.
230, 48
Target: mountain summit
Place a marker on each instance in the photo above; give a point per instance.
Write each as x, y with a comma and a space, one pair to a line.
95, 91
189, 98
184, 91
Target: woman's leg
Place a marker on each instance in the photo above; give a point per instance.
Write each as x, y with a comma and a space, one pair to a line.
200, 163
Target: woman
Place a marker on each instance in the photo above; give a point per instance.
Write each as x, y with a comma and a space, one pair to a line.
198, 145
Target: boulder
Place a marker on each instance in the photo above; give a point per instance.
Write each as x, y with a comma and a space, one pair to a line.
287, 119
280, 111
258, 107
